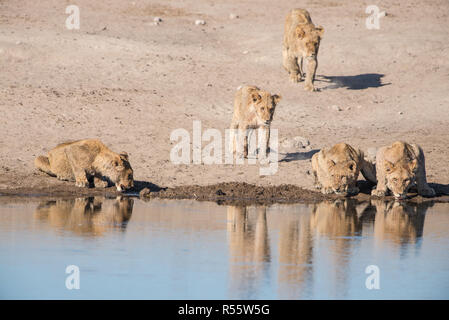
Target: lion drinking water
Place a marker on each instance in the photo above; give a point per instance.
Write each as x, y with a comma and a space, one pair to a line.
336, 169
86, 159
398, 167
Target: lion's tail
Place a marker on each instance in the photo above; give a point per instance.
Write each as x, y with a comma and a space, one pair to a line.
43, 164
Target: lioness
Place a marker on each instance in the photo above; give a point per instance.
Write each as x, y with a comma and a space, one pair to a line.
253, 108
398, 167
336, 169
301, 41
86, 159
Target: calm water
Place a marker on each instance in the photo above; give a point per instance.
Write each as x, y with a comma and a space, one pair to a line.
127, 248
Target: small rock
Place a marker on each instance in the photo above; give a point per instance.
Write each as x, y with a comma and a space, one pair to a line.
245, 52
155, 23
295, 144
157, 19
144, 192
304, 142
233, 16
18, 42
335, 108
200, 22
220, 193
400, 113
371, 154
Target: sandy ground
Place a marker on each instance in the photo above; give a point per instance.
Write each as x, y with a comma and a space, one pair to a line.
130, 83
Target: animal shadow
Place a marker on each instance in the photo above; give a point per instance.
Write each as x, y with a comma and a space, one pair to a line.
140, 185
440, 189
358, 82
295, 156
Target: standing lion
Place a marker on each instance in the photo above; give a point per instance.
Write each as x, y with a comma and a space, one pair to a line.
301, 41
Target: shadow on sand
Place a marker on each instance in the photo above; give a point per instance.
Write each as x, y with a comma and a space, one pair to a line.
140, 185
295, 156
358, 82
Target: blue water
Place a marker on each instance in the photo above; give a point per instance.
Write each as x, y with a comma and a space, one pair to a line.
129, 249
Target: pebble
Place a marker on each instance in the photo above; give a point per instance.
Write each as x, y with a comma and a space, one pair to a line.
245, 52
233, 16
294, 144
157, 19
336, 108
200, 22
371, 154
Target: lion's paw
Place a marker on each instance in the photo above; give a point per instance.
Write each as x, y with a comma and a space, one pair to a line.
327, 190
309, 87
82, 184
378, 193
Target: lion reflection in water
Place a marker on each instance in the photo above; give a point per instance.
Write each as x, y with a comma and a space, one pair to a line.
86, 215
400, 222
298, 234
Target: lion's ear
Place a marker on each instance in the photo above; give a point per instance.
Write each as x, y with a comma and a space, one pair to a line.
255, 97
124, 155
413, 165
388, 166
300, 33
320, 30
276, 98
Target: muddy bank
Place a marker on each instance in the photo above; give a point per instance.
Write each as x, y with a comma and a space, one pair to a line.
246, 194
239, 193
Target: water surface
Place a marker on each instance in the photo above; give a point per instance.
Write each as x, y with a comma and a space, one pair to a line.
164, 249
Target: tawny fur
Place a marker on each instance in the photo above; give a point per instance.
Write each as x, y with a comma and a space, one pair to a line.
86, 160
253, 109
398, 167
336, 169
301, 42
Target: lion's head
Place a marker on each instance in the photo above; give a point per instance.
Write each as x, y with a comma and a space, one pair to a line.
122, 174
342, 176
310, 36
264, 104
400, 176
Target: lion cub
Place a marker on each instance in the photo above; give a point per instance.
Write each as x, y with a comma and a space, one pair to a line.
398, 167
336, 169
253, 109
301, 41
85, 159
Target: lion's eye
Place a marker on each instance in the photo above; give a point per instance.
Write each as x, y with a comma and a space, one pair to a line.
395, 179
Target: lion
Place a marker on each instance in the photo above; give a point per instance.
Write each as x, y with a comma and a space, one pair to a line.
398, 167
87, 160
253, 109
301, 41
336, 170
